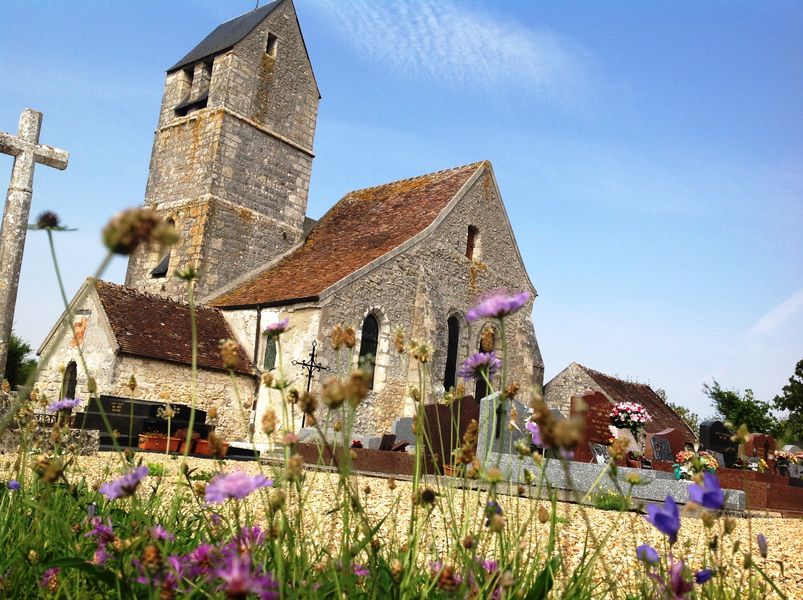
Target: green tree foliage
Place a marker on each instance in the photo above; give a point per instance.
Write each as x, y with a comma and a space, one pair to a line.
692, 418
743, 409
18, 365
792, 400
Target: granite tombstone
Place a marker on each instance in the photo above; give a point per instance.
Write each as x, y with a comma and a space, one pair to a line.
715, 437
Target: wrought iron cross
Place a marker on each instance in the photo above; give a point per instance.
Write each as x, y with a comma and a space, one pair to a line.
310, 366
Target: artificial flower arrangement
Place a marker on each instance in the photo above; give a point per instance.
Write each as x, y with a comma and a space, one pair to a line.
689, 463
760, 465
630, 415
792, 458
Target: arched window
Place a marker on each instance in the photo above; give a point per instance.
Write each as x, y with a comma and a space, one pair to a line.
70, 380
270, 354
453, 338
487, 344
368, 346
160, 270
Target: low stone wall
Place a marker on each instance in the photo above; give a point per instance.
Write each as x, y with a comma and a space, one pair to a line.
370, 461
76, 441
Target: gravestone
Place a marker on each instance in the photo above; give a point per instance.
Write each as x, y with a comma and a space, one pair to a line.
403, 429
715, 437
661, 449
372, 442
494, 432
791, 449
760, 445
388, 440
595, 410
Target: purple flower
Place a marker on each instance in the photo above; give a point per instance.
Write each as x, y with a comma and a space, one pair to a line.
479, 364
498, 305
160, 533
489, 566
235, 485
708, 495
66, 404
647, 554
100, 556
239, 579
678, 584
533, 428
50, 580
703, 576
13, 485
277, 328
201, 560
126, 485
491, 509
666, 520
763, 547
360, 570
102, 532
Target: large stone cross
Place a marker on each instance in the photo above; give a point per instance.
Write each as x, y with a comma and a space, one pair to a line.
27, 151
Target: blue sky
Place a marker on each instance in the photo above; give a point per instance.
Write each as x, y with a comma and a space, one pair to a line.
649, 154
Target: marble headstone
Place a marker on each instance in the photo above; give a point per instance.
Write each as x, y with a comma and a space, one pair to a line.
715, 437
403, 429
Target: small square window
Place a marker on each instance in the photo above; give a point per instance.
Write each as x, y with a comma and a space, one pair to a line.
270, 47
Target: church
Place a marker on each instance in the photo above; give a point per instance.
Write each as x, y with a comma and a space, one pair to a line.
230, 169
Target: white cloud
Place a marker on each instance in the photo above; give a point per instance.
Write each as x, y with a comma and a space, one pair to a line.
460, 46
778, 315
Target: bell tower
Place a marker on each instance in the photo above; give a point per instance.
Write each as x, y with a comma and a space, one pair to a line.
232, 154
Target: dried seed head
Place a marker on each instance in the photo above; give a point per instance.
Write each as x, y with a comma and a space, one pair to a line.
511, 390
618, 449
349, 337
338, 426
295, 467
493, 475
269, 421
267, 379
366, 490
708, 519
396, 570
212, 413
276, 499
399, 339
135, 226
230, 353
308, 403
447, 580
91, 385
427, 496
151, 557
391, 483
334, 393
469, 542
467, 451
497, 523
48, 220
543, 514
338, 337
357, 387
488, 339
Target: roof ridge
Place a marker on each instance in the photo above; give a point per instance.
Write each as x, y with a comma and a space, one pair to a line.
151, 296
421, 176
587, 369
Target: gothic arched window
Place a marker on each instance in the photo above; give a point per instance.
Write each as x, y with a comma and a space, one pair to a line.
453, 338
368, 346
70, 380
269, 362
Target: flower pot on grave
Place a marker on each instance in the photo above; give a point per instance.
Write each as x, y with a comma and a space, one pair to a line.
450, 470
205, 448
153, 442
635, 463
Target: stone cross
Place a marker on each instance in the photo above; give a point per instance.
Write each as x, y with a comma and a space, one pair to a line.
27, 151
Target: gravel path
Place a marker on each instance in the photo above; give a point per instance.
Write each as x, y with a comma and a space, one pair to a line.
579, 527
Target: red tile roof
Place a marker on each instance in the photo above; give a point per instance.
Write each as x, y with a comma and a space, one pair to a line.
361, 227
159, 328
662, 415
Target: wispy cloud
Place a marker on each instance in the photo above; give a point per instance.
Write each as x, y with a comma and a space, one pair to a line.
460, 46
778, 315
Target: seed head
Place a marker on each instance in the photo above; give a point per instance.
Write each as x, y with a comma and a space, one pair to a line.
396, 570
334, 393
151, 557
135, 226
543, 514
48, 220
276, 499
391, 483
488, 339
447, 580
294, 468
399, 339
230, 353
496, 523
269, 421
308, 403
338, 337
132, 383
349, 337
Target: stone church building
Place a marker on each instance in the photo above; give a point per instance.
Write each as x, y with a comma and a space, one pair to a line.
230, 168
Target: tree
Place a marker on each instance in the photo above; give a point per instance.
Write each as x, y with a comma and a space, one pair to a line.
792, 400
692, 419
743, 409
18, 366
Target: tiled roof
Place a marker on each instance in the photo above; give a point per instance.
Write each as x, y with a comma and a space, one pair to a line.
361, 227
663, 417
158, 328
226, 35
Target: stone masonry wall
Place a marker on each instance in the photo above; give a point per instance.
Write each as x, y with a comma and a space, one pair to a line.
156, 380
560, 389
234, 175
422, 287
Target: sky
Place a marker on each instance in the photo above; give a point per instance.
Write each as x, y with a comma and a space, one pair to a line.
649, 155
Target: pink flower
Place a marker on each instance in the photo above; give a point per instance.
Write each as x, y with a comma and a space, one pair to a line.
498, 305
277, 328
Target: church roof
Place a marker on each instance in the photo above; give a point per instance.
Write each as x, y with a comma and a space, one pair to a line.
361, 227
159, 328
663, 417
227, 35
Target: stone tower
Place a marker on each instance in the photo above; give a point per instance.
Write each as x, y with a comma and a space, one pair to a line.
232, 153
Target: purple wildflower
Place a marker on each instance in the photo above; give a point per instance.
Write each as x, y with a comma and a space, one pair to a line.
277, 328
703, 576
66, 404
678, 584
160, 533
201, 560
479, 364
498, 305
763, 547
239, 579
535, 431
360, 570
709, 495
235, 485
101, 531
126, 485
13, 485
489, 566
491, 509
50, 580
647, 554
666, 520
100, 556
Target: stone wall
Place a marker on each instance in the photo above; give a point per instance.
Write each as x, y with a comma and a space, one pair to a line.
560, 389
234, 175
156, 380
